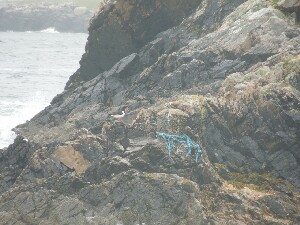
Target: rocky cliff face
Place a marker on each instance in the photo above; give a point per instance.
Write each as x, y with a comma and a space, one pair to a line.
226, 73
122, 28
64, 18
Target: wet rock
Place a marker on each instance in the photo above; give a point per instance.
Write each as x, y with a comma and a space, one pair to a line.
14, 160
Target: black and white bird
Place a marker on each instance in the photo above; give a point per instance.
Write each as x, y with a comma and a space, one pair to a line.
120, 114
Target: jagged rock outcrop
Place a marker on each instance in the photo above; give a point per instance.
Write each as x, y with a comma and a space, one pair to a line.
289, 4
63, 18
227, 74
123, 27
292, 6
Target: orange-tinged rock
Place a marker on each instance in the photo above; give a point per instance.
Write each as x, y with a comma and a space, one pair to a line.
72, 158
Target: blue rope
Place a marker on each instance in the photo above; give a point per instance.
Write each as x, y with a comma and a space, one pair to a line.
170, 139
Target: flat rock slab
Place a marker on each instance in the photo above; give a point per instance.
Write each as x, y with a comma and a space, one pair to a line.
72, 158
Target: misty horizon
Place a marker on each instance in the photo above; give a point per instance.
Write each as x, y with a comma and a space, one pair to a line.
91, 4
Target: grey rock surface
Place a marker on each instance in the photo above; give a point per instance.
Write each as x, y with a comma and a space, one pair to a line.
226, 73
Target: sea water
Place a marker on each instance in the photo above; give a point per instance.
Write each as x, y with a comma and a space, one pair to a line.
34, 67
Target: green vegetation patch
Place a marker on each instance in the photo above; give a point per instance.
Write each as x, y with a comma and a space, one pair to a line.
257, 181
274, 3
291, 68
252, 180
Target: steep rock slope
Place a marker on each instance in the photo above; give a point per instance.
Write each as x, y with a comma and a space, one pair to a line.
123, 27
226, 73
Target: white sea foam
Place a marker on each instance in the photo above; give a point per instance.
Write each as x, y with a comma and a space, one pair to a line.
50, 30
34, 68
18, 112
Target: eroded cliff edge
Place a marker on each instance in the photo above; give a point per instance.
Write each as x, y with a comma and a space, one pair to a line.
227, 73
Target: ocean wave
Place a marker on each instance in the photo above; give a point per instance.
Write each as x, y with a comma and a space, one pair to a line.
17, 112
6, 138
29, 78
50, 30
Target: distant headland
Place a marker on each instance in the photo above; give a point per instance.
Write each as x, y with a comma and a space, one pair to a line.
27, 15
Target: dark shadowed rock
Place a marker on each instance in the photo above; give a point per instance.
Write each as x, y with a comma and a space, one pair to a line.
123, 27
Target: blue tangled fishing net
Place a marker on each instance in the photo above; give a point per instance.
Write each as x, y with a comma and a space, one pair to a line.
171, 139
